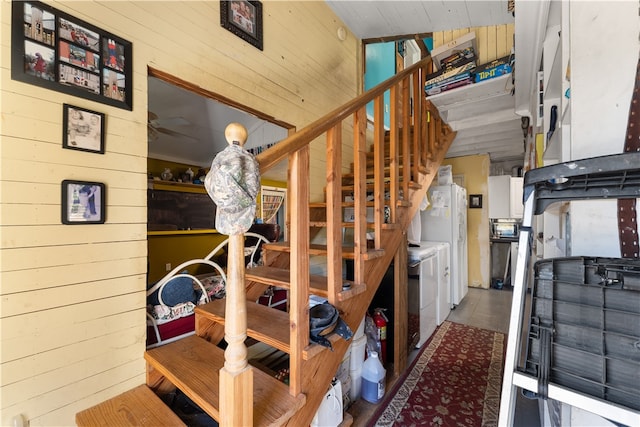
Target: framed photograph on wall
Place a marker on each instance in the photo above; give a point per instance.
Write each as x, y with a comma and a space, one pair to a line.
82, 129
244, 19
57, 51
475, 201
83, 202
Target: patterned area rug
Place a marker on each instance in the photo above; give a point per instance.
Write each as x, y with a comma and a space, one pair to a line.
455, 380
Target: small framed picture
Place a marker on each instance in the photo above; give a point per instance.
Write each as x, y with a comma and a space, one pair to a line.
244, 19
83, 202
475, 201
82, 129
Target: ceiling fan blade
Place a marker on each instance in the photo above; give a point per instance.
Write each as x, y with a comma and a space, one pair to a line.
174, 133
152, 134
170, 122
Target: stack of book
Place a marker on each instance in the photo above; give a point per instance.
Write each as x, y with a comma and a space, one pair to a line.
455, 70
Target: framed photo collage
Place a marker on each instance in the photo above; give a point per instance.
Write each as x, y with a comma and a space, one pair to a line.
57, 51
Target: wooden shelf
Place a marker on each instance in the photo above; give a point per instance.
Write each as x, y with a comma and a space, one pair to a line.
157, 184
485, 91
181, 232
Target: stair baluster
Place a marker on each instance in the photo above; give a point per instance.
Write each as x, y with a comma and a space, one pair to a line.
334, 213
299, 265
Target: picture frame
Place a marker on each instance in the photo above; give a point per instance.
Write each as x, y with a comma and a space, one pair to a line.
83, 129
244, 19
57, 51
475, 201
83, 202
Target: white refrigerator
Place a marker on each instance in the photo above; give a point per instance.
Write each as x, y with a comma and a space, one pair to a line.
445, 220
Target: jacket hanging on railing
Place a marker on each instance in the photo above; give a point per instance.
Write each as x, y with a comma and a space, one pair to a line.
233, 183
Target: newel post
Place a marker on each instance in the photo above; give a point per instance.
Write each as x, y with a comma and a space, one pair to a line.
236, 377
233, 183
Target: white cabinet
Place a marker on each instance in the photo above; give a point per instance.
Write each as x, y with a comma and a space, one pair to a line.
505, 196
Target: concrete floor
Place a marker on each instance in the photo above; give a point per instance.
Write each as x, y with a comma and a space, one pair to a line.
483, 308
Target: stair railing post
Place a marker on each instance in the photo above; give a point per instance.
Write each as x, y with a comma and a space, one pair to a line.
334, 212
233, 183
378, 169
236, 377
299, 266
394, 152
418, 105
406, 126
359, 192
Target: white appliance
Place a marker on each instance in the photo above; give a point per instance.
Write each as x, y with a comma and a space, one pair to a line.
446, 221
505, 196
429, 289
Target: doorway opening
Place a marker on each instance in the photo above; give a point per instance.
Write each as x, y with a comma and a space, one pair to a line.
186, 127
186, 124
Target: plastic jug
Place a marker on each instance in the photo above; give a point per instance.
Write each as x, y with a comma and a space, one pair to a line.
373, 379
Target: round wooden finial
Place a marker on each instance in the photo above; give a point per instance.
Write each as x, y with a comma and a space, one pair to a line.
236, 134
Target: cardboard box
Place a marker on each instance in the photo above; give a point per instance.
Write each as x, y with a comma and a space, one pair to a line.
493, 69
458, 58
457, 45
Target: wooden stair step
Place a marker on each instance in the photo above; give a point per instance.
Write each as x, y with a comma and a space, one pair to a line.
323, 205
317, 284
370, 225
192, 364
370, 173
348, 252
370, 186
370, 165
139, 406
369, 155
265, 324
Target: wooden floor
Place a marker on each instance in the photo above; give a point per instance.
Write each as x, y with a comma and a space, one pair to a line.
483, 308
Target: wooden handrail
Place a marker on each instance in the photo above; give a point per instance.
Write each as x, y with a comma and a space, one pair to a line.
281, 150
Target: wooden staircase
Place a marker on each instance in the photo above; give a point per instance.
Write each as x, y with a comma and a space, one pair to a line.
392, 176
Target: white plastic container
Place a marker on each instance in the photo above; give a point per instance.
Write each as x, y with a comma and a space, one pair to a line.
356, 383
360, 331
373, 379
343, 370
358, 349
330, 411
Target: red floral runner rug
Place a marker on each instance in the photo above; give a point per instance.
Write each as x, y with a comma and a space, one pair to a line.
455, 380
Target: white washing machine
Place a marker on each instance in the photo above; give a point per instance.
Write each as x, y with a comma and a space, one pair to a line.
429, 285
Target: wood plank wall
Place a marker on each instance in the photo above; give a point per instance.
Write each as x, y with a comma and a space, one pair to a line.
493, 42
72, 307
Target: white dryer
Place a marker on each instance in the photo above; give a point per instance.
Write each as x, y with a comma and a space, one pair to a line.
429, 289
443, 279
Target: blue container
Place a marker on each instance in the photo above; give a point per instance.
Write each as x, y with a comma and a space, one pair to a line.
373, 379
